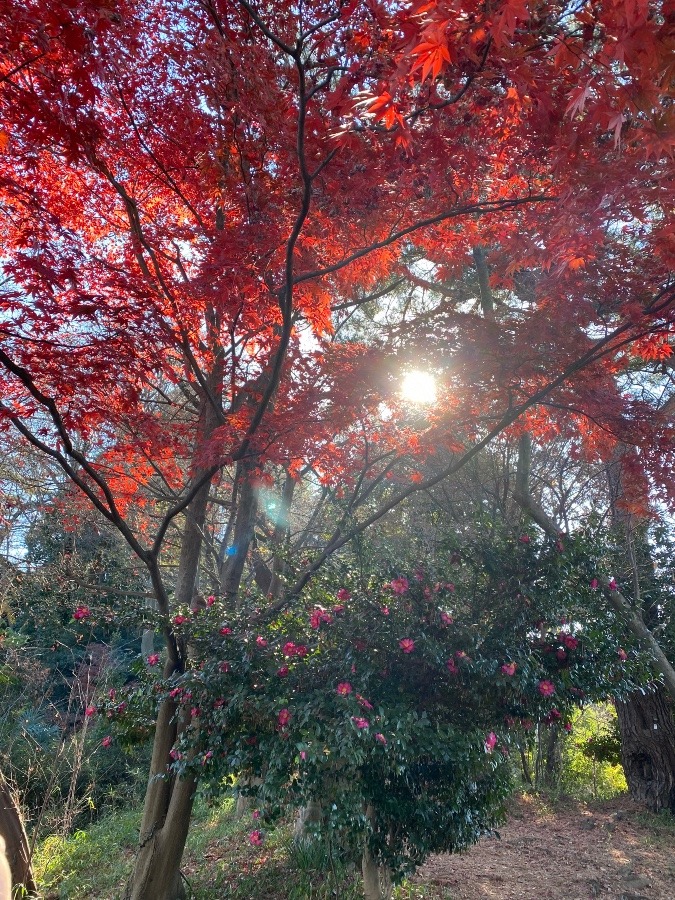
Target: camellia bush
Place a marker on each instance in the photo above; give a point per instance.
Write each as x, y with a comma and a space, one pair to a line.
393, 702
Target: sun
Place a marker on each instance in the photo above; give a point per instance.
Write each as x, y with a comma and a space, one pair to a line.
419, 387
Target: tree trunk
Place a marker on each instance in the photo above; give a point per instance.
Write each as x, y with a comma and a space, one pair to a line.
648, 747
16, 842
5, 874
311, 814
376, 879
377, 883
553, 759
166, 820
247, 507
168, 802
645, 717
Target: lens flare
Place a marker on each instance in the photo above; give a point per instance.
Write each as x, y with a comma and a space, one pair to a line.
419, 388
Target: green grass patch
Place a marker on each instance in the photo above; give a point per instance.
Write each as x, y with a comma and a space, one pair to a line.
91, 863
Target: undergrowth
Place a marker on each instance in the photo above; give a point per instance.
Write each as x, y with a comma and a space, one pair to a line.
219, 862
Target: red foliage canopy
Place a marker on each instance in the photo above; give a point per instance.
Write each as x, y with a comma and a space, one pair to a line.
189, 190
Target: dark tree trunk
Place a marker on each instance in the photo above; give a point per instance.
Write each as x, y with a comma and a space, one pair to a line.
645, 717
16, 842
168, 801
648, 747
553, 761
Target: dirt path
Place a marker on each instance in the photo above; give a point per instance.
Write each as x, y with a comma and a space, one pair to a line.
572, 852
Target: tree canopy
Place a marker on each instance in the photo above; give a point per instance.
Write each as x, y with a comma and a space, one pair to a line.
199, 199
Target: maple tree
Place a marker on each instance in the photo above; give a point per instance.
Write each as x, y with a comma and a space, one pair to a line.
194, 193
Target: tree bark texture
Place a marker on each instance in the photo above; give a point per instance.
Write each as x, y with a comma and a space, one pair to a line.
648, 747
376, 879
311, 814
16, 841
645, 717
377, 883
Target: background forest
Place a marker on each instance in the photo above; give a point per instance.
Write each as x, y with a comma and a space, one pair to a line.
337, 424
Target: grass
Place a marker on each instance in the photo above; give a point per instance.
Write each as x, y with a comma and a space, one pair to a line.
219, 862
660, 827
87, 864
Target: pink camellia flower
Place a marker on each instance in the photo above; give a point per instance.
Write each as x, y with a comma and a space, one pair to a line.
207, 756
225, 630
451, 666
384, 610
179, 620
112, 693
175, 692
153, 659
343, 594
567, 640
301, 650
527, 724
107, 741
366, 704
407, 645
546, 688
509, 669
224, 667
284, 717
490, 742
82, 612
289, 648
567, 726
210, 600
256, 838
195, 712
315, 619
260, 641
621, 653
450, 587
381, 738
524, 539
338, 610
561, 655
219, 703
121, 706
595, 584
446, 618
360, 723
552, 717
399, 585
303, 755
283, 671
344, 688
90, 711
612, 585
256, 813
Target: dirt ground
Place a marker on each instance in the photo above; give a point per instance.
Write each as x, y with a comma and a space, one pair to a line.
571, 852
